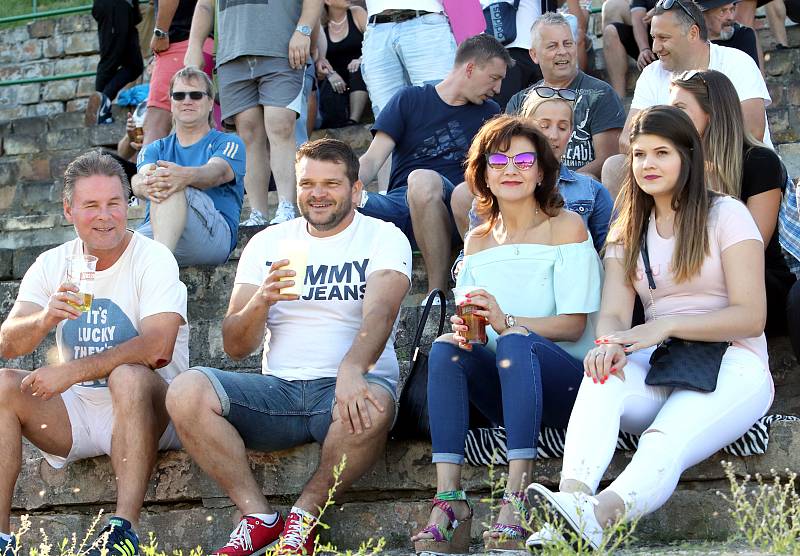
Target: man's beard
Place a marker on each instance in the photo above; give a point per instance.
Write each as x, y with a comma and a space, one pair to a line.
726, 33
340, 213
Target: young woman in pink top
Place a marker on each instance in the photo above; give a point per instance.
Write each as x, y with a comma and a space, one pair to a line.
707, 260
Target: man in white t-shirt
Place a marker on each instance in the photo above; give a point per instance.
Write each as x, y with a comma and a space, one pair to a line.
680, 39
329, 370
105, 394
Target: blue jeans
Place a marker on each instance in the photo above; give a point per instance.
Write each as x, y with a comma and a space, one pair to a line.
271, 414
530, 381
413, 52
393, 207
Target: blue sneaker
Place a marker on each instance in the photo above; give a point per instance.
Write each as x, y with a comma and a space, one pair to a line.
122, 539
8, 547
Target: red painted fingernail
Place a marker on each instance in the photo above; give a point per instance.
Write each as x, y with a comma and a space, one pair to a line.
613, 369
602, 381
595, 380
597, 341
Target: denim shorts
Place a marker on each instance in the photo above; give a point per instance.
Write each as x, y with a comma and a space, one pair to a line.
393, 207
206, 239
271, 413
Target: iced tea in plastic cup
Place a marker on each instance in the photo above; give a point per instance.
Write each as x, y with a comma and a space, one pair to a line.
476, 324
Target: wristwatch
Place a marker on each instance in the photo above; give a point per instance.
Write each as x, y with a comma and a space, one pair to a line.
303, 30
159, 34
510, 320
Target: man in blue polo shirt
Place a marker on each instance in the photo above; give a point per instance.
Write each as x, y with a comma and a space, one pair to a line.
193, 178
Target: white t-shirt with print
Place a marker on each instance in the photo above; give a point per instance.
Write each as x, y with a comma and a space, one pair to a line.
652, 87
143, 282
308, 338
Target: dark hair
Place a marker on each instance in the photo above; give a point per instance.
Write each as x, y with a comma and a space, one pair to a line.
331, 150
691, 199
496, 135
93, 163
480, 49
684, 19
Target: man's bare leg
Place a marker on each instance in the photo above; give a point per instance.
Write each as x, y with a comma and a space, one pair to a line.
461, 204
250, 127
431, 223
616, 60
168, 219
279, 124
613, 174
140, 418
362, 451
212, 442
157, 124
45, 423
776, 16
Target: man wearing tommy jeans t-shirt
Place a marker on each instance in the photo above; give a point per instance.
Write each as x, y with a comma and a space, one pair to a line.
329, 370
105, 394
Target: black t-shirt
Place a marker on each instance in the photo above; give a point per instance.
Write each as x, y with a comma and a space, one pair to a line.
763, 171
181, 21
744, 39
646, 4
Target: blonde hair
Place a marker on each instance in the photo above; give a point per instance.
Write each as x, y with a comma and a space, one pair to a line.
533, 101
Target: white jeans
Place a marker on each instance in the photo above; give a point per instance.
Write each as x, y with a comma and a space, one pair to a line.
679, 428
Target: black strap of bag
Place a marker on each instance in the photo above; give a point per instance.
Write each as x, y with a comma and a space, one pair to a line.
412, 414
677, 363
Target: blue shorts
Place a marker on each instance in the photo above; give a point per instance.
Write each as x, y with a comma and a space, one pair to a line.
206, 239
393, 207
273, 414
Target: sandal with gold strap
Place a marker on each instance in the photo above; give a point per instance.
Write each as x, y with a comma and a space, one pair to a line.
454, 539
503, 536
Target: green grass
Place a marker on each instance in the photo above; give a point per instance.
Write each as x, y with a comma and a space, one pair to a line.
20, 7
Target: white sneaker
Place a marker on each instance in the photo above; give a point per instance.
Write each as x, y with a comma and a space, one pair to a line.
284, 213
576, 508
437, 301
256, 219
548, 534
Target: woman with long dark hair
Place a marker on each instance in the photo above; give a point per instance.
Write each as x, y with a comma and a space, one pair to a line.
740, 166
696, 259
537, 278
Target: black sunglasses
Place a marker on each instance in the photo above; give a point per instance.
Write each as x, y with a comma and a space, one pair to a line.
194, 95
549, 92
668, 4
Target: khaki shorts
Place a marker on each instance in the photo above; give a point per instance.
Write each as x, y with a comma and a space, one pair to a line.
91, 417
249, 81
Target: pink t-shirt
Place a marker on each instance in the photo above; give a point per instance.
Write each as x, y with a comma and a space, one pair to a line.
729, 223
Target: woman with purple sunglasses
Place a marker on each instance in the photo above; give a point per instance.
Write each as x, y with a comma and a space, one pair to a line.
537, 281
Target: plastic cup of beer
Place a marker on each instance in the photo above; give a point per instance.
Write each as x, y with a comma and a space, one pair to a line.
476, 324
80, 272
296, 250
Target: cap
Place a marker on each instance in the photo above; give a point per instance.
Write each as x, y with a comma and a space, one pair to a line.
706, 5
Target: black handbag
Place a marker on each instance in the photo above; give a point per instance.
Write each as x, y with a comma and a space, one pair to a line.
678, 363
501, 21
412, 415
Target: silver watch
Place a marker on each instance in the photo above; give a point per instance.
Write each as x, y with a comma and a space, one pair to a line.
159, 33
510, 320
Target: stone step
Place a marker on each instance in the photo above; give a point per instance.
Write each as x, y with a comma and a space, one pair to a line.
184, 508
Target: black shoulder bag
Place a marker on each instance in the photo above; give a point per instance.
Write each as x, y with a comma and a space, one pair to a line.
412, 415
686, 364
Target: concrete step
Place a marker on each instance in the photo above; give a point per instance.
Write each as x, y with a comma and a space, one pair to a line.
185, 508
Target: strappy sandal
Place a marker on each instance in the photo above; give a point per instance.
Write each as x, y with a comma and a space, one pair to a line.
454, 539
503, 536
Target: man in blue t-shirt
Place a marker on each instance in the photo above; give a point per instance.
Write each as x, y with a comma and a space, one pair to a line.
193, 178
427, 130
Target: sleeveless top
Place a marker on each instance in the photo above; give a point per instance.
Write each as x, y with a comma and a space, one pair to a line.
343, 52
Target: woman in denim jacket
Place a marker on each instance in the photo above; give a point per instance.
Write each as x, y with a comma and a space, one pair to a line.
551, 110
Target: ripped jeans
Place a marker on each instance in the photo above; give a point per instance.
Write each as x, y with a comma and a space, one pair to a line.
528, 382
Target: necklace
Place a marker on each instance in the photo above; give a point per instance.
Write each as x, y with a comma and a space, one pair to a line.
338, 23
513, 242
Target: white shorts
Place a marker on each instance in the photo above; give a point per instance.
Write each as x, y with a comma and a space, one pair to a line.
91, 417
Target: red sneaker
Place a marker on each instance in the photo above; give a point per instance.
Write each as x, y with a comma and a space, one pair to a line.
299, 534
252, 537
